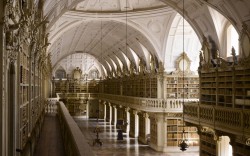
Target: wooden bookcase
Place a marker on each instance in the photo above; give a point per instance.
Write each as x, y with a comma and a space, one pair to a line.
73, 86
175, 85
137, 86
174, 133
207, 144
24, 95
226, 88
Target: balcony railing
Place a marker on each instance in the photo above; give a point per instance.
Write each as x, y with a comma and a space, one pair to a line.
144, 104
51, 105
74, 141
235, 121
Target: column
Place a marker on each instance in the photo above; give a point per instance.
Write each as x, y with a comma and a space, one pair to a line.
158, 132
144, 126
223, 147
114, 113
109, 113
104, 110
87, 109
126, 120
134, 123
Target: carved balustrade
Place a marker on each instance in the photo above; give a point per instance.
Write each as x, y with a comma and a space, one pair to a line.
236, 121
144, 104
51, 105
147, 104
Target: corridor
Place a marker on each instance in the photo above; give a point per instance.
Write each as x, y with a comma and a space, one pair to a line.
50, 142
113, 147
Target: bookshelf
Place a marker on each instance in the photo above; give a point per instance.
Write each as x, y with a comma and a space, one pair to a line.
207, 144
24, 95
228, 87
174, 133
174, 86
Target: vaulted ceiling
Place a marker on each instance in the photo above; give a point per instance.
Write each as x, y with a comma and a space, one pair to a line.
110, 30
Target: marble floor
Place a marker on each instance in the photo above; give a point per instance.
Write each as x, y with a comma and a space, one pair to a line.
113, 147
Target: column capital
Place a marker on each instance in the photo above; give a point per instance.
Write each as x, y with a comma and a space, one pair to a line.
127, 109
135, 112
145, 115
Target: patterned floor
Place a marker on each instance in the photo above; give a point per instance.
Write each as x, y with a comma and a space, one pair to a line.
113, 147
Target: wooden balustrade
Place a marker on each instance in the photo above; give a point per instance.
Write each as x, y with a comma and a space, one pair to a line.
230, 120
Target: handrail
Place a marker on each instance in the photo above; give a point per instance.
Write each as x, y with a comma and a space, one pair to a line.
74, 141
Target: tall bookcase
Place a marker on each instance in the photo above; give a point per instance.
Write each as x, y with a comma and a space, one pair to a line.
24, 95
207, 144
179, 87
174, 133
229, 87
136, 85
74, 86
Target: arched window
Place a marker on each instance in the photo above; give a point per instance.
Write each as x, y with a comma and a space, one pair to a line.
232, 40
60, 74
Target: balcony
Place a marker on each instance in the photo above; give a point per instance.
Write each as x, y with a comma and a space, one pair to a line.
233, 121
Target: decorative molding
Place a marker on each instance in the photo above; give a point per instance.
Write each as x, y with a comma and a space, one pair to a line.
248, 141
209, 130
183, 59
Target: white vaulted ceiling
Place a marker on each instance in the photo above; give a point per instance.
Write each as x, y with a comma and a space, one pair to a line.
103, 27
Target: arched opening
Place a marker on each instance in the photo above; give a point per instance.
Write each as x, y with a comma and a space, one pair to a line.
60, 73
232, 40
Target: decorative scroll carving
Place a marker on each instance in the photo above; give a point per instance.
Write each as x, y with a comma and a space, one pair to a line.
248, 141
245, 46
183, 64
206, 51
210, 131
